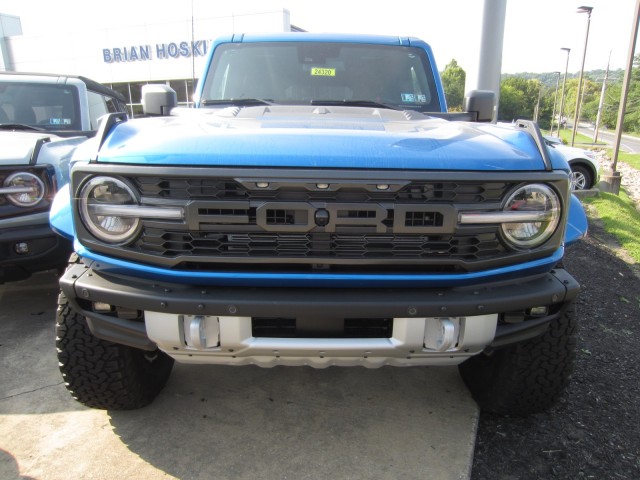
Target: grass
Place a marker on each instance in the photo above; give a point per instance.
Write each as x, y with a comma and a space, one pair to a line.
620, 218
565, 135
631, 159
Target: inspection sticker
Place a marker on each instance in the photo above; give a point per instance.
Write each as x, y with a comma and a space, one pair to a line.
413, 98
323, 72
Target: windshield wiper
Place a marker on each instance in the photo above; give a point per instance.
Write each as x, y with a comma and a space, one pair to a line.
20, 126
355, 103
240, 102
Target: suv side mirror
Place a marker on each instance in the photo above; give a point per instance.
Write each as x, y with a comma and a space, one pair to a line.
158, 99
482, 103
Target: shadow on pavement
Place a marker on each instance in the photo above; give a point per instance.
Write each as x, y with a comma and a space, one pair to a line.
286, 422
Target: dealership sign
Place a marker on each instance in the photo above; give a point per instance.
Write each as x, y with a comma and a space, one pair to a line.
142, 53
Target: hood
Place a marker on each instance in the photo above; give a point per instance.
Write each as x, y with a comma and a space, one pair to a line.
17, 146
324, 137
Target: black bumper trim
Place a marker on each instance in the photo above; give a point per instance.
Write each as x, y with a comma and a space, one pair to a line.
51, 251
80, 282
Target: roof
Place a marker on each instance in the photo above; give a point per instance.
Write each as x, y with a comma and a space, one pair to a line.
91, 84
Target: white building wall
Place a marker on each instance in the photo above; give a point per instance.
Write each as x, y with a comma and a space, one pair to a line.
118, 54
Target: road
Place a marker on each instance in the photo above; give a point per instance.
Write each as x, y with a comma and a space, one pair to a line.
225, 422
628, 143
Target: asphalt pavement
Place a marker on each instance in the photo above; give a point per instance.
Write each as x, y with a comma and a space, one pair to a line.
628, 143
225, 422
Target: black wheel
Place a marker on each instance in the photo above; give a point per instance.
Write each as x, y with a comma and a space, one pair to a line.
103, 374
527, 377
581, 178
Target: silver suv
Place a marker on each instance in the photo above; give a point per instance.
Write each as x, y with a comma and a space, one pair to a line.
43, 118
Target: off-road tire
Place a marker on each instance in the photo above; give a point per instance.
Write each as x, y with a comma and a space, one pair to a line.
102, 374
527, 377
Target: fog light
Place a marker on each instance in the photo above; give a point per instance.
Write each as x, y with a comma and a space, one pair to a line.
262, 184
322, 186
539, 311
21, 248
201, 331
383, 186
441, 334
101, 307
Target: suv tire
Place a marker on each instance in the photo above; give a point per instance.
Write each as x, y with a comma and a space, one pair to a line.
527, 377
102, 374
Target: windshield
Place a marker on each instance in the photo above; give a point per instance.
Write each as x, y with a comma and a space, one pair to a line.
48, 107
313, 73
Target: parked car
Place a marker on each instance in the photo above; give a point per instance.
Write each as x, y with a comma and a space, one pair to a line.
583, 163
43, 118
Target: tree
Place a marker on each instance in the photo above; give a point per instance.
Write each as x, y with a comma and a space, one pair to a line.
453, 79
519, 97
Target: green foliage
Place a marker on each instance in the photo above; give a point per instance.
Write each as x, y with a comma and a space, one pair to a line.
453, 79
631, 159
518, 102
621, 218
519, 99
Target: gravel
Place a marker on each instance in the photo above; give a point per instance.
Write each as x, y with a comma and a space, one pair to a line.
594, 431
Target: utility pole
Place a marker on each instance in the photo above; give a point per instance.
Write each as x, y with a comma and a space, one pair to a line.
613, 179
555, 102
601, 104
536, 112
564, 86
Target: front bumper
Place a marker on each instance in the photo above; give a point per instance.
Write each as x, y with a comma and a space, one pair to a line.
26, 250
230, 310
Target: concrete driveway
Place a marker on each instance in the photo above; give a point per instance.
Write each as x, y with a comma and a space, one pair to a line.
225, 422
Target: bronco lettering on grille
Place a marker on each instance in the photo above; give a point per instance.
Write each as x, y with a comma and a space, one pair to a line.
301, 217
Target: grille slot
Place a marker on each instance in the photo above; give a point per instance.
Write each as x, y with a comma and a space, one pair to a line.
277, 327
189, 188
319, 246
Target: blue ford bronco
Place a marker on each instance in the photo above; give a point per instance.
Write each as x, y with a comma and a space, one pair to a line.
318, 207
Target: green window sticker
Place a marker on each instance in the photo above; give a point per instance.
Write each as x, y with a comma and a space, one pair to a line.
323, 72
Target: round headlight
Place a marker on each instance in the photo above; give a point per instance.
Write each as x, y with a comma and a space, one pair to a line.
99, 202
543, 204
24, 189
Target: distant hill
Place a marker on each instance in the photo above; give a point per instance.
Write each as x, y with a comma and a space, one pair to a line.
549, 78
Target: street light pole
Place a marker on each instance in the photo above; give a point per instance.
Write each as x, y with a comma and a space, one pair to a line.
576, 117
555, 103
564, 85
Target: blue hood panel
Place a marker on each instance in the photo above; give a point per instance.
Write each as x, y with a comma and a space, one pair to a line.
322, 137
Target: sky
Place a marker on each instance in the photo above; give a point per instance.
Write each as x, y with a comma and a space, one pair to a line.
535, 30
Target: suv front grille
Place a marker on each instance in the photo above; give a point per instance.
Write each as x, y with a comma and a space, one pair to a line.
288, 220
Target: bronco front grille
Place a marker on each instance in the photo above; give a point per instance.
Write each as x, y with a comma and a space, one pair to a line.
287, 220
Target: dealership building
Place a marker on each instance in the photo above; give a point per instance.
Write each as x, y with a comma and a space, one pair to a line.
125, 58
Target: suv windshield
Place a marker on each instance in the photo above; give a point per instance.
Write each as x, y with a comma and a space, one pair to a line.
316, 73
49, 107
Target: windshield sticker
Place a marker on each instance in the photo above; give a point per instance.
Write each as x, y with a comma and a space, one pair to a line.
59, 121
323, 72
413, 98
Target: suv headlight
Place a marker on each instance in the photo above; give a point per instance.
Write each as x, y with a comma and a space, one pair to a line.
23, 189
103, 209
536, 213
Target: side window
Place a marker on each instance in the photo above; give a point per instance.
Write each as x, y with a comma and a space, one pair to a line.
112, 105
97, 108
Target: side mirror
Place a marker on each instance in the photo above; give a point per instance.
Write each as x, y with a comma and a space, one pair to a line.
481, 103
158, 99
